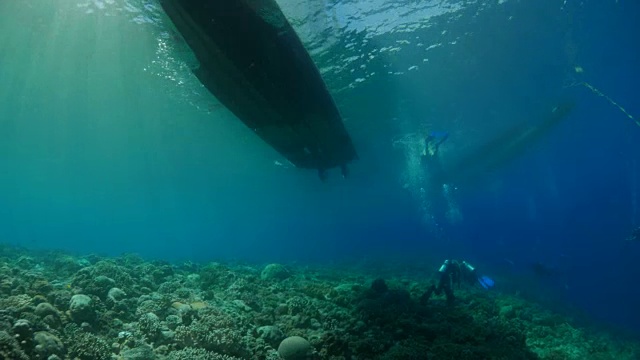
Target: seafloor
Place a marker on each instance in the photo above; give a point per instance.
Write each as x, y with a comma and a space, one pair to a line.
59, 306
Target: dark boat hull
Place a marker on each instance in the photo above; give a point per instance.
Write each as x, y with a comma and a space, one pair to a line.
252, 60
505, 147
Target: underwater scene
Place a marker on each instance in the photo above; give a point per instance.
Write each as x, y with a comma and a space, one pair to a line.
319, 179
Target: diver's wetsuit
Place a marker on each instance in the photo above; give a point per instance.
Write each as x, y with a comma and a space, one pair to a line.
451, 273
434, 140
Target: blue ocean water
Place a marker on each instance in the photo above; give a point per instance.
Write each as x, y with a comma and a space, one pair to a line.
109, 144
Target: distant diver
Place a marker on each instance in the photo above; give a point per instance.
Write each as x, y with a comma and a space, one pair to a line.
431, 155
635, 235
253, 62
436, 177
432, 144
543, 271
454, 273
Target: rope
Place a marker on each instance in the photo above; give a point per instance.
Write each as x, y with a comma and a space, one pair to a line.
610, 100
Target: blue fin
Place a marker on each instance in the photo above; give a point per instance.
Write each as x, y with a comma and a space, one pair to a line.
486, 282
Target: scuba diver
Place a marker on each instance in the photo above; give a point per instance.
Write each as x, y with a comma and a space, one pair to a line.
635, 236
436, 177
432, 145
453, 272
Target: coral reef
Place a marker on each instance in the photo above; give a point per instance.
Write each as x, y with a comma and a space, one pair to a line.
58, 306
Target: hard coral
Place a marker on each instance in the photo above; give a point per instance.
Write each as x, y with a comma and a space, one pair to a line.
81, 308
99, 278
295, 348
16, 304
84, 345
10, 349
47, 345
216, 276
275, 272
212, 330
198, 354
150, 326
